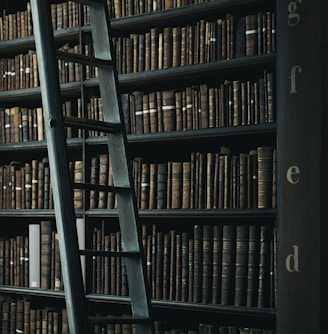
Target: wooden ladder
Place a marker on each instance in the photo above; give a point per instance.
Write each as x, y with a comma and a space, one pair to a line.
63, 188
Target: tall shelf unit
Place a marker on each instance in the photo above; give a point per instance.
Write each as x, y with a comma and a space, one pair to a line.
236, 136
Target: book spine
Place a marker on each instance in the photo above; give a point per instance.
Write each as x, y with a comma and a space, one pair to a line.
45, 253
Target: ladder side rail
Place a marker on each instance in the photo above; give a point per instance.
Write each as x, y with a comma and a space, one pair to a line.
58, 160
108, 85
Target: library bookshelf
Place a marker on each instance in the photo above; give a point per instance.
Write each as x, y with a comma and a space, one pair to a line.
204, 105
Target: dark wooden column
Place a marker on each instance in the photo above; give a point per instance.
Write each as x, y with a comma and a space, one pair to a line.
302, 166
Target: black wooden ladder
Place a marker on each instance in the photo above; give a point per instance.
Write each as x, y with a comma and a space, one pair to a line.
62, 185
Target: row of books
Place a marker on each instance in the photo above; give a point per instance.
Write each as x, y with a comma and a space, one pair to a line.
26, 185
22, 124
120, 9
66, 14
231, 103
202, 42
21, 71
211, 329
22, 316
207, 180
14, 261
209, 264
33, 260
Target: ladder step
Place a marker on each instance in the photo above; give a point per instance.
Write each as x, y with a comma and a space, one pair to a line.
118, 320
100, 187
91, 124
83, 59
92, 252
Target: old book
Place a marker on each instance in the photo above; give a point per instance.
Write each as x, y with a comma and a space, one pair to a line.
177, 173
111, 196
253, 265
269, 84
40, 190
45, 253
274, 178
145, 185
2, 261
217, 264
178, 110
184, 266
94, 174
103, 179
46, 184
2, 185
154, 48
152, 186
200, 180
141, 53
166, 265
176, 46
19, 315
159, 264
169, 185
172, 291
35, 180
145, 113
78, 178
228, 264
19, 179
138, 111
204, 106
153, 260
210, 166
186, 184
198, 263
240, 34
207, 269
113, 264
168, 109
237, 103
251, 34
58, 282
178, 266
264, 267
252, 179
242, 241
161, 185
27, 317
167, 47
191, 269
152, 100
242, 182
159, 103
265, 160
183, 46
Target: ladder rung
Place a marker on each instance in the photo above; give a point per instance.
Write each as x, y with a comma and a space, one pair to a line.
100, 187
118, 320
92, 252
91, 124
83, 59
